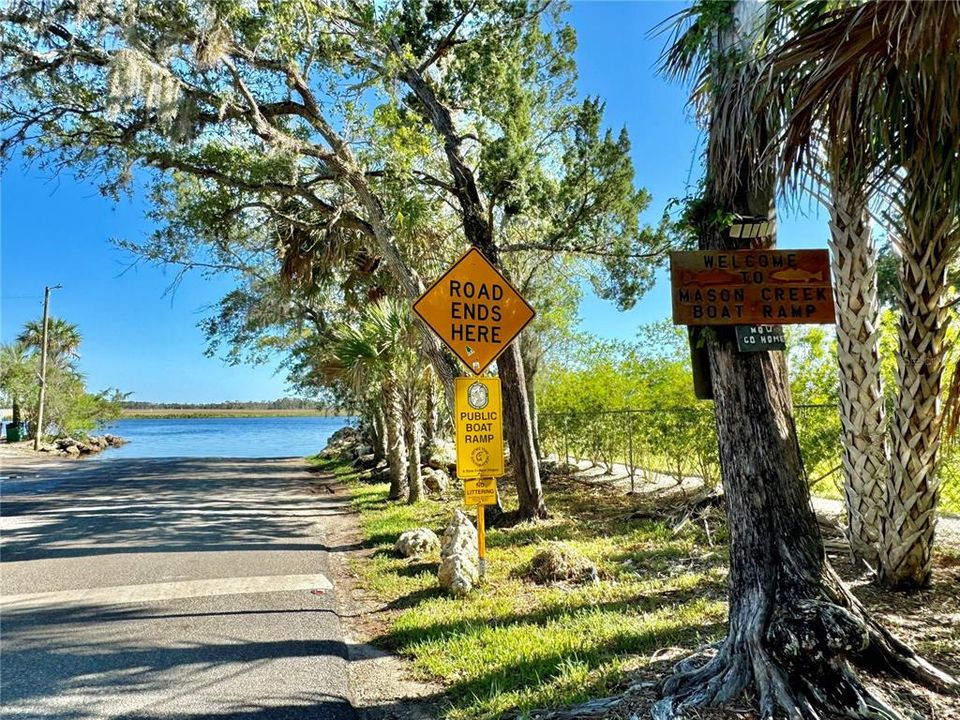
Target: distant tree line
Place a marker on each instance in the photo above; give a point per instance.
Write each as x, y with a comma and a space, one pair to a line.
280, 404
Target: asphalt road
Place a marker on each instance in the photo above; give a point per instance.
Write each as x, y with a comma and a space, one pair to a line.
184, 588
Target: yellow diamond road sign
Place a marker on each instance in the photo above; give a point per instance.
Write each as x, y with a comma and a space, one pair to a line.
474, 310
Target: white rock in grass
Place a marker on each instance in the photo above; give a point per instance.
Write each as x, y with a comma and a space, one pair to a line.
460, 537
458, 569
458, 575
421, 541
440, 453
436, 481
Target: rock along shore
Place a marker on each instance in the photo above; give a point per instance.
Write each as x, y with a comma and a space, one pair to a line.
65, 447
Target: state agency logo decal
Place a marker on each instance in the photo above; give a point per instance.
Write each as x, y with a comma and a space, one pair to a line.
478, 396
480, 456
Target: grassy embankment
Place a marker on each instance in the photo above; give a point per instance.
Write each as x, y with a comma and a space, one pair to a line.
514, 644
185, 413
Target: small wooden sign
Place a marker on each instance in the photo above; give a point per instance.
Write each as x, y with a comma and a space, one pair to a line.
751, 287
481, 491
758, 338
474, 310
700, 364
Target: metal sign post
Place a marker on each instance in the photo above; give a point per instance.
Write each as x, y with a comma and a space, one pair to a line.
481, 492
481, 541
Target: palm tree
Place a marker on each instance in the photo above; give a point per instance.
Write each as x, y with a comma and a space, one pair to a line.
853, 253
845, 164
890, 72
18, 376
378, 355
787, 605
390, 322
63, 339
349, 354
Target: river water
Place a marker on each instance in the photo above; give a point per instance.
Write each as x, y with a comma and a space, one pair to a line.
239, 437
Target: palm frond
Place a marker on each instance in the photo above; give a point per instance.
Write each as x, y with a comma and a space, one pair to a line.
886, 72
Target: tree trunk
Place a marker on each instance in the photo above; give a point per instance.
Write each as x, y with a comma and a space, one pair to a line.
396, 448
793, 628
534, 419
411, 428
477, 229
912, 494
383, 241
523, 453
865, 457
380, 436
530, 372
430, 426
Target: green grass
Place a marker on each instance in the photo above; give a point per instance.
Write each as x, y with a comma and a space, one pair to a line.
515, 645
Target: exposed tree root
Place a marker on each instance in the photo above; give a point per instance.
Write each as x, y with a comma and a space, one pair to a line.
799, 663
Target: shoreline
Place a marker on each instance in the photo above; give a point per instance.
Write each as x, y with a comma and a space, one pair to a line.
60, 448
22, 454
191, 414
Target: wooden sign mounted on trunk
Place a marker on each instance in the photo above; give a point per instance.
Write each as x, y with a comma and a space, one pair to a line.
751, 287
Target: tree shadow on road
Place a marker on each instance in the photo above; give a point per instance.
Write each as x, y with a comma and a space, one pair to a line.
163, 505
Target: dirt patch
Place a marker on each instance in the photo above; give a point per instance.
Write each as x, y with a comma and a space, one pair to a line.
382, 684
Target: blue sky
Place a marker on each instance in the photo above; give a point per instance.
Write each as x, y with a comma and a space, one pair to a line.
142, 339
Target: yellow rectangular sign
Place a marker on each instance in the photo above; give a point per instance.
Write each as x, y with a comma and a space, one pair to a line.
482, 491
478, 411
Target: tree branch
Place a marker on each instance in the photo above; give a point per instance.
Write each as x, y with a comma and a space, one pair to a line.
344, 219
448, 41
546, 247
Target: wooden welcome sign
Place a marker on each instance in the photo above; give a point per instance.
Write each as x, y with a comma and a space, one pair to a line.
751, 287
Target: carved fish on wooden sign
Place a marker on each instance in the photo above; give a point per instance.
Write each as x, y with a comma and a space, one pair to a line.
797, 275
708, 277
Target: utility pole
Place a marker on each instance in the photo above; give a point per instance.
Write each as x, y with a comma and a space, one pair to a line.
38, 431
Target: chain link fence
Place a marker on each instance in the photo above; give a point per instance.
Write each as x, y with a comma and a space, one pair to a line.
676, 448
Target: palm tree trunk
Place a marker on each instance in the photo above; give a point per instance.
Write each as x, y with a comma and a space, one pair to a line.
911, 499
411, 428
793, 627
396, 449
865, 457
380, 436
430, 426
